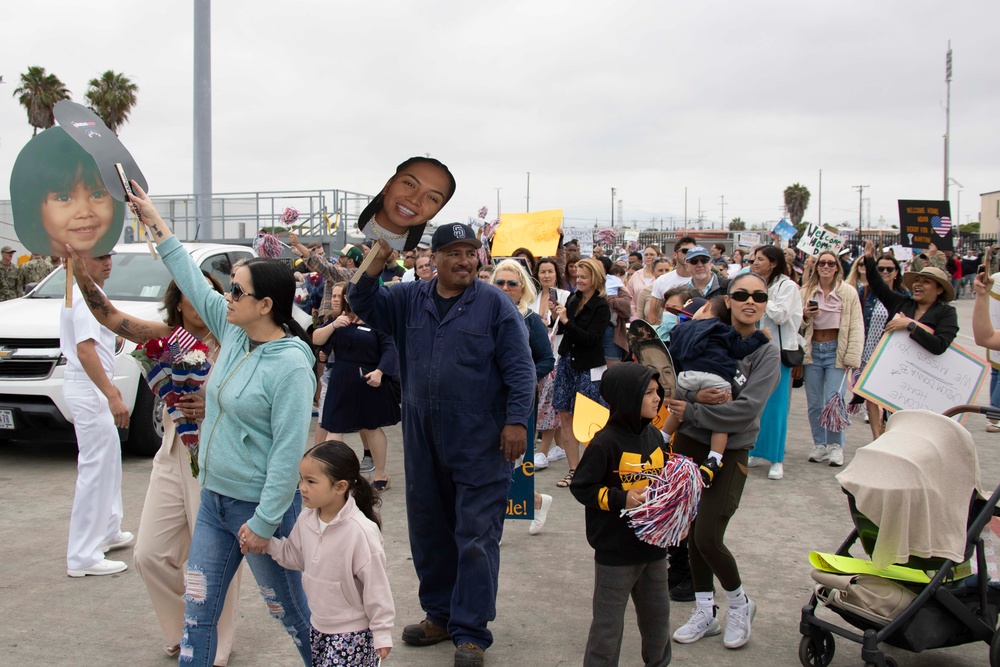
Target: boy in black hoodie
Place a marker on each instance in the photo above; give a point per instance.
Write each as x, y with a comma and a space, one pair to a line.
607, 482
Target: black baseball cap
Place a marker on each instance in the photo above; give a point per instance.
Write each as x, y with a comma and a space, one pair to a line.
454, 232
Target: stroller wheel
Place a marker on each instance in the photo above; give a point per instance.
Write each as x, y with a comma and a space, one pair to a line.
814, 653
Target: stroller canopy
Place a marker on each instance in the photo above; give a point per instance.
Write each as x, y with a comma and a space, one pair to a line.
915, 483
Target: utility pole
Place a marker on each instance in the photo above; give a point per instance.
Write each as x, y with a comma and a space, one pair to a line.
203, 121
527, 197
613, 208
947, 120
498, 202
861, 203
820, 207
685, 206
723, 198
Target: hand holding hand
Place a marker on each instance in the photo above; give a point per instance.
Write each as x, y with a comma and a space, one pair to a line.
251, 542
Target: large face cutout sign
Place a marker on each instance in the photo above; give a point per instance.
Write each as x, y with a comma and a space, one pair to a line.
414, 195
64, 188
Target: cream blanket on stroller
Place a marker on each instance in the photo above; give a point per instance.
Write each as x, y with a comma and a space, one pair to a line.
915, 483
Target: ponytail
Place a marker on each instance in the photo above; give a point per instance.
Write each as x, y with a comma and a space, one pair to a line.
341, 463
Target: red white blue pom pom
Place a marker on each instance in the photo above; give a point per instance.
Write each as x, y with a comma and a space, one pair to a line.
672, 499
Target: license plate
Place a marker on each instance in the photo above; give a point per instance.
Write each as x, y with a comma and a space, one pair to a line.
7, 419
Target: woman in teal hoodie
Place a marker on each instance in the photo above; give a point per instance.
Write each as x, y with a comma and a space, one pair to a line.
257, 414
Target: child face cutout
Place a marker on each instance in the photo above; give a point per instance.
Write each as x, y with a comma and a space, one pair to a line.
79, 217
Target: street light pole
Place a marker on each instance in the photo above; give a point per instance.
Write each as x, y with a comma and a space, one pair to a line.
947, 120
613, 207
498, 202
861, 204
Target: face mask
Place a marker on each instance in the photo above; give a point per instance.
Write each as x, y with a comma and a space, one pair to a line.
668, 322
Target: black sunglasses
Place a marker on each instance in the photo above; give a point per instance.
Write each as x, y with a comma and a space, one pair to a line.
508, 283
238, 292
886, 269
699, 260
826, 262
743, 295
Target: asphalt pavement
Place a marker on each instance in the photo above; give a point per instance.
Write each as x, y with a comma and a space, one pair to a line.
546, 581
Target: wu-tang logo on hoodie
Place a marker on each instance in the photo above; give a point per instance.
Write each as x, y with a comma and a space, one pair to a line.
632, 469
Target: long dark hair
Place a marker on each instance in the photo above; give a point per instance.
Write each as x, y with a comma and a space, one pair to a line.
555, 265
529, 256
341, 463
776, 255
273, 279
375, 205
897, 282
172, 301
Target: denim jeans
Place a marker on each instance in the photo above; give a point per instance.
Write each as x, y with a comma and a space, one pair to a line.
823, 381
212, 563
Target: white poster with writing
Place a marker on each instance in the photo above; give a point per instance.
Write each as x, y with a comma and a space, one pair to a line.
902, 375
748, 239
585, 236
816, 239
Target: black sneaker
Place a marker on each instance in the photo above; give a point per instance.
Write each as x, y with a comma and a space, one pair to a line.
683, 592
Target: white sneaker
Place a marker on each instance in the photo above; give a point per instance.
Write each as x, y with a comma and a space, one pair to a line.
541, 461
124, 539
100, 568
777, 471
836, 456
556, 452
540, 514
754, 461
819, 454
738, 622
367, 464
993, 428
701, 624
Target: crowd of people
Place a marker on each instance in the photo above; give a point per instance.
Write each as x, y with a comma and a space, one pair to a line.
403, 344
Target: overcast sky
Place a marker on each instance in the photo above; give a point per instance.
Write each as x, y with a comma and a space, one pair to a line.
733, 99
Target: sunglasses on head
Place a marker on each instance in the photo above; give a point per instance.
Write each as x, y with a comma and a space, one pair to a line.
886, 269
699, 260
743, 295
826, 262
238, 292
508, 283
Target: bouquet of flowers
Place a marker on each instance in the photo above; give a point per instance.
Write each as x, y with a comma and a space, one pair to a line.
175, 366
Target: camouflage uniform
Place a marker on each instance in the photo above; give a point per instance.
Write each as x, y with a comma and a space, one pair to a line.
937, 261
35, 270
10, 281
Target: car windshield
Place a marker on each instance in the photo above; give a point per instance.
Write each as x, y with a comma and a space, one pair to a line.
134, 277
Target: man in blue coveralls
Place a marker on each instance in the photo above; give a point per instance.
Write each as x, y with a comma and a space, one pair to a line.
468, 388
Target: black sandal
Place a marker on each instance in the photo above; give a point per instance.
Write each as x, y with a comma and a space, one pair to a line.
565, 481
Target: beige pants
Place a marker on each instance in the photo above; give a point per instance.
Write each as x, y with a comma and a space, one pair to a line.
161, 548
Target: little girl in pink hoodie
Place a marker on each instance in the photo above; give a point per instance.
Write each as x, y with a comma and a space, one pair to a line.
337, 545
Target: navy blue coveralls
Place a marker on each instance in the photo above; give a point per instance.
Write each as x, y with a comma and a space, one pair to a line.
463, 378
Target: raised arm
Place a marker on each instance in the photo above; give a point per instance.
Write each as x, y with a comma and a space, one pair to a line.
982, 325
130, 328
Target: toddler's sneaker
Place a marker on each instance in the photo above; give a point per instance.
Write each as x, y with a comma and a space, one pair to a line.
819, 454
738, 622
556, 452
701, 624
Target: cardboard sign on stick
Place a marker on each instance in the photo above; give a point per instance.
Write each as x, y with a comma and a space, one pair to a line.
537, 231
923, 222
816, 240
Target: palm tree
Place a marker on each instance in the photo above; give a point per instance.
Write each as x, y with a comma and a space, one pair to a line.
39, 93
112, 97
796, 202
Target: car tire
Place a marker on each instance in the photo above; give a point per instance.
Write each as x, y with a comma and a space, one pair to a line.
145, 433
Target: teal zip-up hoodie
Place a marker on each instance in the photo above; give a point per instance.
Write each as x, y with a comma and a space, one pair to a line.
258, 406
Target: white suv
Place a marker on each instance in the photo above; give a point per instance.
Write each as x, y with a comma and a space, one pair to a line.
31, 365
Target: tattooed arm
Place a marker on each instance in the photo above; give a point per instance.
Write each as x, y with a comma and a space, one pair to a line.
131, 328
149, 216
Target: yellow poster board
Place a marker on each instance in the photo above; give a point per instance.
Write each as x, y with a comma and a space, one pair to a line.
589, 417
537, 231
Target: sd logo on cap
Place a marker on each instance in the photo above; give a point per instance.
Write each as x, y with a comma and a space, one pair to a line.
457, 232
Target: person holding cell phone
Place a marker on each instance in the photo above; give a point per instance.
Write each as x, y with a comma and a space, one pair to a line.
834, 338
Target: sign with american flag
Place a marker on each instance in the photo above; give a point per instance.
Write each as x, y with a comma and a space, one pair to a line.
923, 222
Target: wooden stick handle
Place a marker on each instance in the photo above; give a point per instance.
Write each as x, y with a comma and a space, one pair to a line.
365, 265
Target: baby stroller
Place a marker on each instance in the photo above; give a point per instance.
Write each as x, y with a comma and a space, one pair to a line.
920, 482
